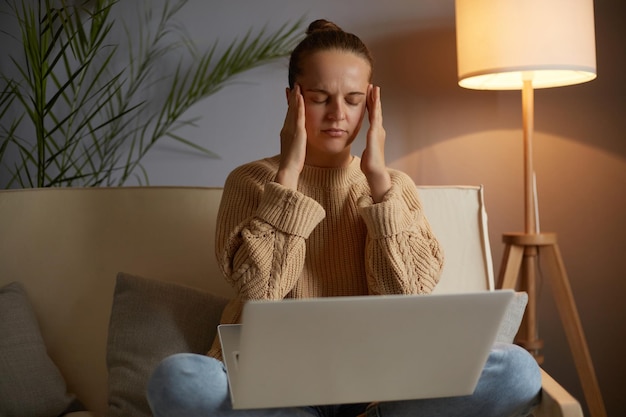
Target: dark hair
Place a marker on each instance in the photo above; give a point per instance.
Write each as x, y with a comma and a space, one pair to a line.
323, 35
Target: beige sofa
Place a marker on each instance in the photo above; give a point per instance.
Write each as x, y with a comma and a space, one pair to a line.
97, 285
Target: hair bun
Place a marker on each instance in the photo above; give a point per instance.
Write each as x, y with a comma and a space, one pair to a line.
322, 25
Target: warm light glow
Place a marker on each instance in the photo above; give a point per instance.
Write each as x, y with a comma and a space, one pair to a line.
502, 42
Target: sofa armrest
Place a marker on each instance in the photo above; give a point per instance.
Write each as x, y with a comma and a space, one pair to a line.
555, 400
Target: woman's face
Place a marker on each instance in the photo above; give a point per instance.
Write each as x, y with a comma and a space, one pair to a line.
334, 85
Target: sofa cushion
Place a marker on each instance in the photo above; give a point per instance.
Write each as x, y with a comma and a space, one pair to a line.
30, 382
150, 320
512, 318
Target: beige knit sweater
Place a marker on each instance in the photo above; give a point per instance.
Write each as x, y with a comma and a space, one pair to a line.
326, 239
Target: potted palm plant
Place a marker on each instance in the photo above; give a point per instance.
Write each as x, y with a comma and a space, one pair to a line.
78, 107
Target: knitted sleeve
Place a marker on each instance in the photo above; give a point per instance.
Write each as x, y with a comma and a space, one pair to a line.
402, 254
260, 236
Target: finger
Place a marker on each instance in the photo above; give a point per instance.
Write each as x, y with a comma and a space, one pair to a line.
377, 112
293, 98
300, 121
292, 106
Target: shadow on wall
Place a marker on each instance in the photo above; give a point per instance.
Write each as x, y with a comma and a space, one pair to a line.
417, 72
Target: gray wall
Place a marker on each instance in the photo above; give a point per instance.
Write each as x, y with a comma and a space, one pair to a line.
440, 133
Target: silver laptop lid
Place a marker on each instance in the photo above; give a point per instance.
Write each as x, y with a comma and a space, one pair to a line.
361, 349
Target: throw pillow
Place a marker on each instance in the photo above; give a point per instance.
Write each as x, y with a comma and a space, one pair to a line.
512, 318
30, 382
151, 320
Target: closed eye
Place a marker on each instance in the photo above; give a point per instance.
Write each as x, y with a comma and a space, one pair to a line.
318, 98
321, 97
354, 100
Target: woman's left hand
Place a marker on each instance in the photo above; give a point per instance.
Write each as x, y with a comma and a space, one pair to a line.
373, 158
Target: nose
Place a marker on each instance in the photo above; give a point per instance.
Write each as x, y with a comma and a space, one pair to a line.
336, 110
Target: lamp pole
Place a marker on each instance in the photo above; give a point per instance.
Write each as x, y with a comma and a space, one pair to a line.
528, 122
528, 241
519, 267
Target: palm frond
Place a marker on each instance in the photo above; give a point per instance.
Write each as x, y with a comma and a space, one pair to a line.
85, 99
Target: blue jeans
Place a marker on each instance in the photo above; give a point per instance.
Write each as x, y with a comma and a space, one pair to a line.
190, 385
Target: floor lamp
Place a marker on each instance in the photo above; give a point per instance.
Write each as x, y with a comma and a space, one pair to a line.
524, 45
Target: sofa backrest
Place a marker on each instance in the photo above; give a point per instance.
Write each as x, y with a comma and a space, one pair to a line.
458, 218
66, 246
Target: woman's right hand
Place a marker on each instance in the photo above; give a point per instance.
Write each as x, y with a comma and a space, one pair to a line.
292, 141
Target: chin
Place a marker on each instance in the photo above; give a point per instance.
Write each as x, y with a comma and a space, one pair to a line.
337, 149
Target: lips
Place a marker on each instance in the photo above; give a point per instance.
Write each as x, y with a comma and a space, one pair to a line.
334, 132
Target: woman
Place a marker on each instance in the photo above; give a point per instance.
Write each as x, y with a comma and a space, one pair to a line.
317, 221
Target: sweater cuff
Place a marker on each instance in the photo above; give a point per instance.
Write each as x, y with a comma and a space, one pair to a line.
387, 218
289, 211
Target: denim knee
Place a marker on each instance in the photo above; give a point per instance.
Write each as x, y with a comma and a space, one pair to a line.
521, 368
187, 384
519, 377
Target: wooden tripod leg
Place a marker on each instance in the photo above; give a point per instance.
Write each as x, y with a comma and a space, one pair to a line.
511, 263
573, 329
527, 336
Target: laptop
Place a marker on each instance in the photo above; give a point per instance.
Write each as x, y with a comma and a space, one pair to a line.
339, 350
